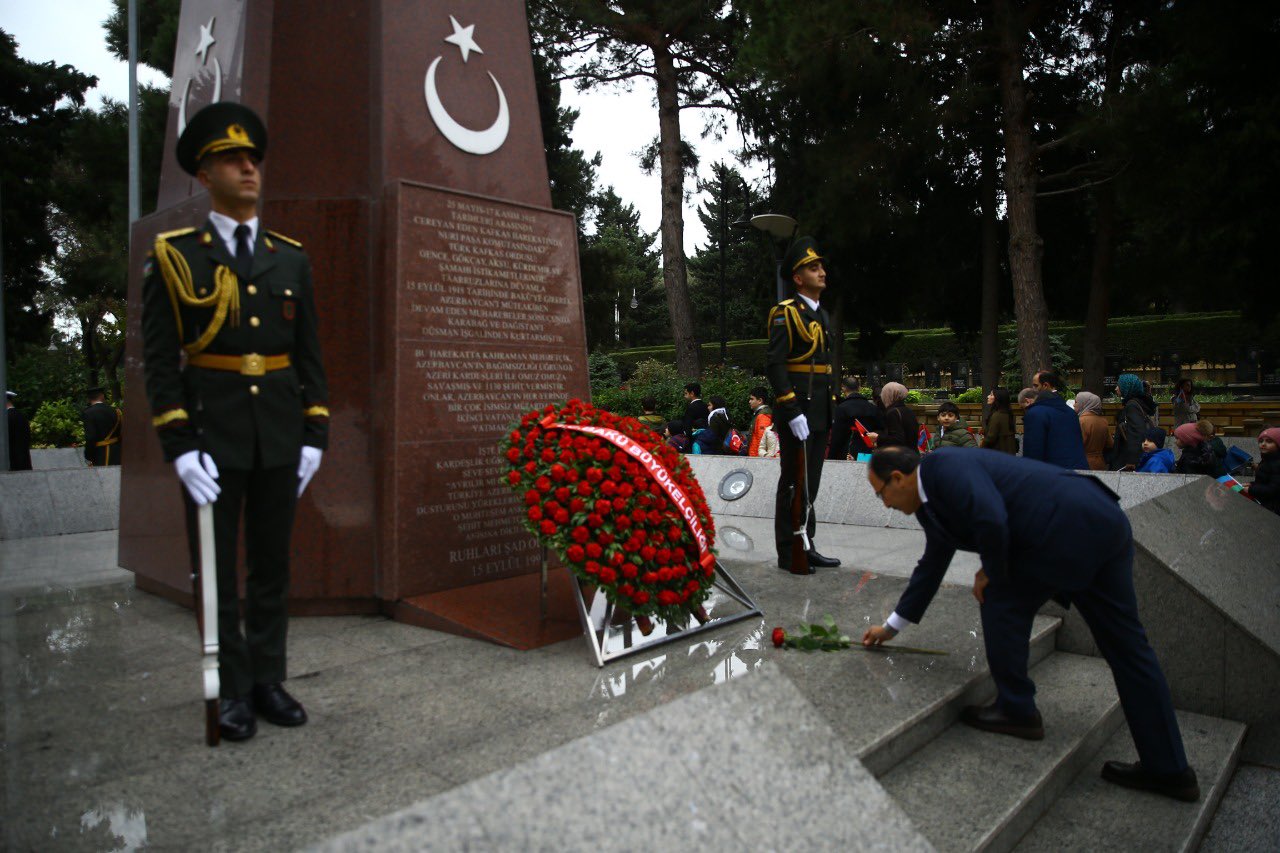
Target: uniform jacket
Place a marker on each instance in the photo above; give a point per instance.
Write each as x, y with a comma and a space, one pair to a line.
1051, 433
1038, 521
226, 413
799, 351
101, 434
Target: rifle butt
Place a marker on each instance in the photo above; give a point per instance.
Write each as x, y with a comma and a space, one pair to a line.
212, 732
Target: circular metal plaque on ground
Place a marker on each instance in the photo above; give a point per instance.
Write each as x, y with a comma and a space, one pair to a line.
735, 484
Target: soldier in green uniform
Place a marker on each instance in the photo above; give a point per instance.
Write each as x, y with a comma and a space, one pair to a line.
102, 423
238, 394
798, 364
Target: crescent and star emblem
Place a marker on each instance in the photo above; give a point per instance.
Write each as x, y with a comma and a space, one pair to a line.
202, 50
480, 142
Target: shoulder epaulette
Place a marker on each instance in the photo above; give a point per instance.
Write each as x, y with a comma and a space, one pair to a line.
169, 235
787, 302
289, 240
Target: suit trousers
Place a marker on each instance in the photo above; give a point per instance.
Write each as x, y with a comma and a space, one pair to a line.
1109, 607
815, 454
267, 499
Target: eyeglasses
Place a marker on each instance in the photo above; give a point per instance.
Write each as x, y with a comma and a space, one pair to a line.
880, 491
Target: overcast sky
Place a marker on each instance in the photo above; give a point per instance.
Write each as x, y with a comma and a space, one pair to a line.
615, 123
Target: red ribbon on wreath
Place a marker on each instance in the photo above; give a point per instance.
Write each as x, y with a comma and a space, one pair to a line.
658, 472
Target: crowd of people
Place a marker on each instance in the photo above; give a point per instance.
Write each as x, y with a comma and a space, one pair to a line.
1073, 434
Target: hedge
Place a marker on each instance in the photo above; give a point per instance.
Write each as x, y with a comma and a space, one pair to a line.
1215, 338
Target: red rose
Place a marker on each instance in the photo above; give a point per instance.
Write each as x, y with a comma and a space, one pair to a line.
649, 578
604, 537
629, 571
584, 489
619, 504
531, 497
562, 495
594, 520
663, 557
607, 575
592, 568
594, 475
580, 534
641, 597
664, 574
543, 484
513, 477
617, 559
562, 516
530, 467
515, 436
557, 472
513, 455
548, 455
577, 505
547, 527
673, 533
602, 455
626, 589
535, 513
619, 457
575, 553
608, 487
622, 521
667, 598
625, 490
655, 517
594, 551
566, 456
779, 637
604, 507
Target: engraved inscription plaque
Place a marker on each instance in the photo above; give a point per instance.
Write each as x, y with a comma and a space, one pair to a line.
487, 314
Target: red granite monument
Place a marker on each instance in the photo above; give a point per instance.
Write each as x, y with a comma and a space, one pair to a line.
406, 155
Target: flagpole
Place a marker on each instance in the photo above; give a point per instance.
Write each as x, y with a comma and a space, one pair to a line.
133, 112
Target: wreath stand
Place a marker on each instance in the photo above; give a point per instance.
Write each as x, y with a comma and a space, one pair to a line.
728, 603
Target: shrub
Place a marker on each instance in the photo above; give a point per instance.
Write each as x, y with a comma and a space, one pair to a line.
57, 424
971, 395
603, 372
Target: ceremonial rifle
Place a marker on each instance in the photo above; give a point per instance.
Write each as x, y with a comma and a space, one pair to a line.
205, 585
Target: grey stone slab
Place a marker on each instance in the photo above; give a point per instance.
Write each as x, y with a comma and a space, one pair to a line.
25, 505
1222, 545
776, 780
1247, 820
33, 566
44, 459
1250, 675
970, 790
1135, 489
84, 500
1092, 809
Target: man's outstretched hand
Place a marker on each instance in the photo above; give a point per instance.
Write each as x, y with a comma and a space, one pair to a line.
877, 635
980, 581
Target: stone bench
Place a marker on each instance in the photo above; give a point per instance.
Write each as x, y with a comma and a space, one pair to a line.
53, 502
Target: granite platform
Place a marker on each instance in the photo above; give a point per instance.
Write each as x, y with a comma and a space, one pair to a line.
57, 501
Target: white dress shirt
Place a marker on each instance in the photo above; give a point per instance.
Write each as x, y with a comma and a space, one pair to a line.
226, 228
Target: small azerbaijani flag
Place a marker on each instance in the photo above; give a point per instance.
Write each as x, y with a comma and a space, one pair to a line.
922, 440
1236, 486
862, 431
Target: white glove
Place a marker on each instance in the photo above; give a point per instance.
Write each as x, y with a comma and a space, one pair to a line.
799, 427
308, 465
199, 475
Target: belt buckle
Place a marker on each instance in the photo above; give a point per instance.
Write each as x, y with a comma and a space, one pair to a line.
253, 364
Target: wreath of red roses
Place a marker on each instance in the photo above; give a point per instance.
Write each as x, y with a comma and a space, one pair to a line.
605, 512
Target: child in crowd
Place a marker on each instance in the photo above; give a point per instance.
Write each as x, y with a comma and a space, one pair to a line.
952, 431
1197, 456
676, 439
1265, 488
1156, 458
651, 418
1209, 431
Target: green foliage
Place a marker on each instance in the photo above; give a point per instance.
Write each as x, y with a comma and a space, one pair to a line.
41, 374
917, 397
1059, 354
57, 424
970, 395
603, 372
158, 29
734, 384
811, 637
663, 382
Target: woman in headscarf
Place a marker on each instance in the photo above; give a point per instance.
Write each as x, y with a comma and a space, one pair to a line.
1265, 488
1197, 456
1131, 424
998, 432
901, 429
1093, 429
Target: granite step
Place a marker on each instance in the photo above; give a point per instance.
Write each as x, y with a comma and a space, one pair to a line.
1092, 813
970, 790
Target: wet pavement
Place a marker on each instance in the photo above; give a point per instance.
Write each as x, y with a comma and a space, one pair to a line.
103, 721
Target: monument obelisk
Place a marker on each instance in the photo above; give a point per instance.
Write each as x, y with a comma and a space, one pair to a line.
406, 155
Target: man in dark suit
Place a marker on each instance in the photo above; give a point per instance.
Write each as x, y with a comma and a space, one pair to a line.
1041, 532
19, 435
844, 432
696, 409
102, 423
1051, 427
245, 419
798, 364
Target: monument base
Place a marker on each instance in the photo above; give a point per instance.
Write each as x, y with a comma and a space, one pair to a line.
503, 611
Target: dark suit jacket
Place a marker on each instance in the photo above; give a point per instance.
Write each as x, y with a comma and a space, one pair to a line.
223, 412
1051, 433
844, 435
1026, 518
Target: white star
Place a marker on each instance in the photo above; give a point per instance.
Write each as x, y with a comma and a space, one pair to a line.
206, 40
462, 37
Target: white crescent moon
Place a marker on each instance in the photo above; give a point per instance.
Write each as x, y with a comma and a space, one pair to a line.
186, 90
484, 141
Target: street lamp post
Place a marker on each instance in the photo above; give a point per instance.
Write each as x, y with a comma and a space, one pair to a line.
724, 344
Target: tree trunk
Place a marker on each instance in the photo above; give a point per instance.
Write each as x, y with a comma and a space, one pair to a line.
673, 262
1025, 245
990, 271
1095, 322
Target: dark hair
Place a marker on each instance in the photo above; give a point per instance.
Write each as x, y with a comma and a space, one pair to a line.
851, 384
948, 406
675, 427
1186, 380
1001, 401
1050, 378
694, 387
761, 393
718, 402
648, 404
886, 460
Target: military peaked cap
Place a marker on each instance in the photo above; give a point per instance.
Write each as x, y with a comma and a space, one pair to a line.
803, 251
224, 126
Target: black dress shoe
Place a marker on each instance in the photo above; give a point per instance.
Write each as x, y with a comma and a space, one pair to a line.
1179, 786
276, 706
992, 719
235, 719
816, 559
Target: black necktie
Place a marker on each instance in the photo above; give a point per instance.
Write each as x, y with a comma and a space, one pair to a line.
244, 252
